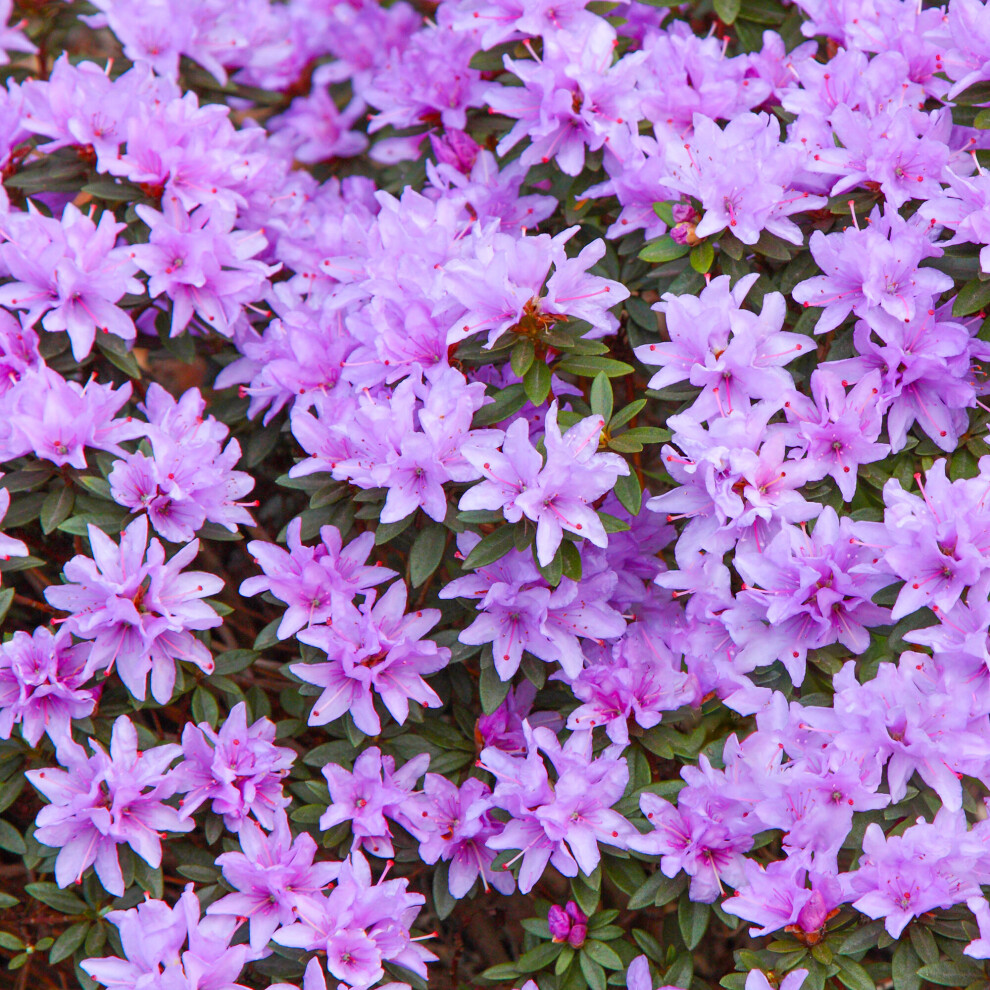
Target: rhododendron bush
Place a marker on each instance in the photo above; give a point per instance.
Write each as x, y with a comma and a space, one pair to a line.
494, 493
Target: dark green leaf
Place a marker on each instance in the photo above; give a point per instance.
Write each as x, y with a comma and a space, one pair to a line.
601, 396
951, 974
603, 954
61, 900
570, 560
56, 508
537, 382
692, 919
590, 366
234, 661
924, 944
508, 401
522, 356
426, 553
972, 298
593, 973
538, 958
502, 973
629, 493
612, 523
662, 250
11, 839
727, 10
703, 254
491, 548
68, 942
852, 975
491, 689
443, 902
388, 531
904, 967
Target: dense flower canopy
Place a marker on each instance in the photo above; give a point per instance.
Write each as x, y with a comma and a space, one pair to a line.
494, 492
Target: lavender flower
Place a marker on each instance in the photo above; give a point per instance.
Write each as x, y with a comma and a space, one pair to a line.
138, 609
101, 801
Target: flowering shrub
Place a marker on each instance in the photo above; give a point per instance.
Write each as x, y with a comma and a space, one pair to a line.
495, 493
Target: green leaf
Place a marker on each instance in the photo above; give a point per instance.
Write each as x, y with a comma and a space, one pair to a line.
10, 942
388, 531
443, 902
727, 10
692, 919
603, 954
491, 548
564, 960
508, 401
972, 298
56, 508
601, 396
61, 900
924, 944
570, 559
98, 486
647, 434
552, 572
502, 973
234, 661
522, 357
629, 493
6, 600
703, 254
663, 249
491, 689
588, 366
680, 972
665, 211
7, 901
625, 414
982, 120
11, 839
538, 958
68, 942
904, 967
115, 351
594, 974
205, 707
852, 975
613, 524
426, 553
951, 974
536, 382
863, 937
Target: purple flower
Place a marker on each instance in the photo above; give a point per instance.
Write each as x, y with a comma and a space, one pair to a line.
742, 176
152, 937
315, 582
375, 649
42, 680
455, 826
900, 877
138, 609
504, 287
69, 273
574, 475
733, 355
101, 801
837, 431
360, 925
564, 822
873, 267
273, 877
201, 263
190, 477
238, 769
777, 897
568, 924
58, 419
519, 611
9, 547
979, 948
